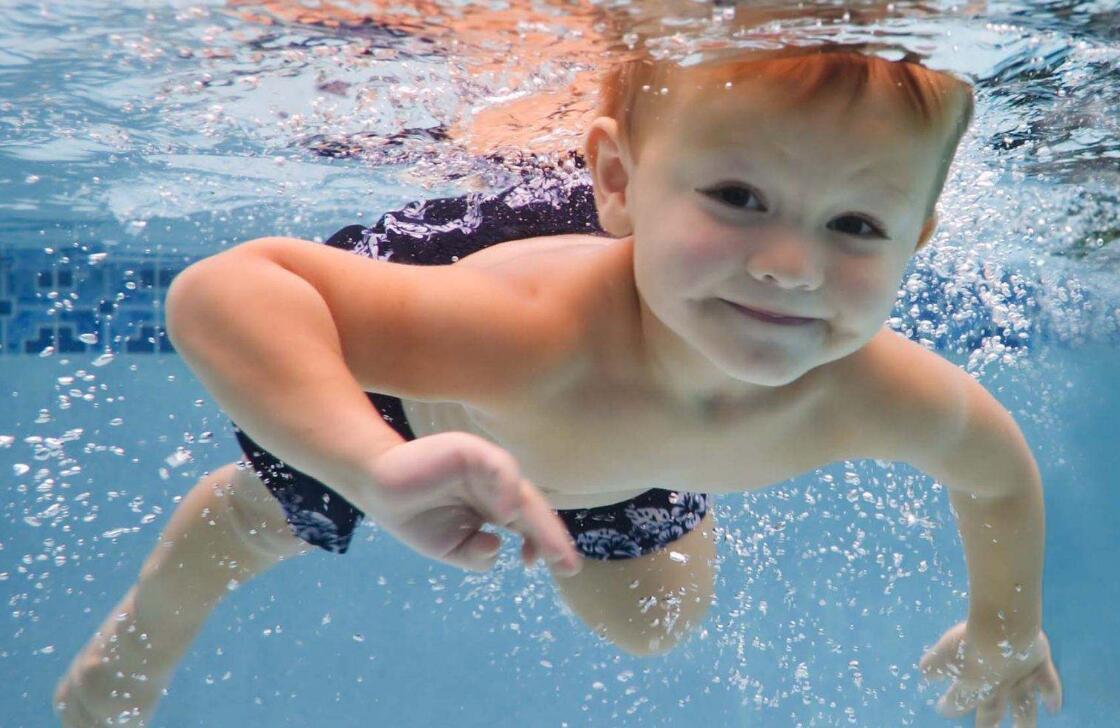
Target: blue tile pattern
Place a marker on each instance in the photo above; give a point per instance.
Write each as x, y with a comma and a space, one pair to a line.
55, 297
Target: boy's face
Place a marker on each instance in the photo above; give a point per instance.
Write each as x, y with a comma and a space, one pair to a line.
812, 214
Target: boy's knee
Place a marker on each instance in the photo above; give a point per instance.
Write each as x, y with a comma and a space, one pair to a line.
650, 643
654, 647
270, 539
668, 623
259, 519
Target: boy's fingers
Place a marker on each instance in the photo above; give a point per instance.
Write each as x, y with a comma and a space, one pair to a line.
499, 496
1024, 711
956, 702
934, 662
528, 552
477, 552
1051, 687
486, 544
931, 669
546, 531
990, 712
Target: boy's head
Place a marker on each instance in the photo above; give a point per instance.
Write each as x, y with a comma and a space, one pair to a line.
797, 181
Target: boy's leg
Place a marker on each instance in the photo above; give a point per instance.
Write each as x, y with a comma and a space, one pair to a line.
647, 604
228, 527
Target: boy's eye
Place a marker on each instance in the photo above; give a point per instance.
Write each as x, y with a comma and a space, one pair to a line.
738, 196
734, 195
857, 228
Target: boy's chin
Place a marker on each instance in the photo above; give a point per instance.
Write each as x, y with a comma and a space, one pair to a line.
773, 375
778, 370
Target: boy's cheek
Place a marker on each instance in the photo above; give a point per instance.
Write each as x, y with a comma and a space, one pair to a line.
873, 273
706, 256
706, 245
684, 252
680, 278
867, 290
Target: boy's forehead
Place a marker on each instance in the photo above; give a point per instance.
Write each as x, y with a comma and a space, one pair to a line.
749, 117
718, 112
865, 144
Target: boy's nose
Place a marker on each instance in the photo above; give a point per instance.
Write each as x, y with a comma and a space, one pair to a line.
787, 262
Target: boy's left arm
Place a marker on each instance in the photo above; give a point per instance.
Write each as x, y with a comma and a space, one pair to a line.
945, 423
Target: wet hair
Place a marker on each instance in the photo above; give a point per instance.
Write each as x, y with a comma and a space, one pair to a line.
929, 101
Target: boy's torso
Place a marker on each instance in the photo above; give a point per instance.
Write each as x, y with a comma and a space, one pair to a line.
603, 435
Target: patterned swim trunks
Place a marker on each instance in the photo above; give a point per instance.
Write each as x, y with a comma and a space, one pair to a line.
635, 527
439, 232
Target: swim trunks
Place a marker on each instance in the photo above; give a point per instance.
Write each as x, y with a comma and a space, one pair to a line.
439, 232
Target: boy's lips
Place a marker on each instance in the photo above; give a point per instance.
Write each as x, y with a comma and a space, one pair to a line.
772, 317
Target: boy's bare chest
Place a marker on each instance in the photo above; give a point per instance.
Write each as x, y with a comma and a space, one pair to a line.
599, 447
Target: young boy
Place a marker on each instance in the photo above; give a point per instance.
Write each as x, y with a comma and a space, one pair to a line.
727, 334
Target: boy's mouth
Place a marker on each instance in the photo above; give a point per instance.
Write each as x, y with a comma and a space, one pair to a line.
771, 317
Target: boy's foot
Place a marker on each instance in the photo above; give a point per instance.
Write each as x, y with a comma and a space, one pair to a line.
116, 679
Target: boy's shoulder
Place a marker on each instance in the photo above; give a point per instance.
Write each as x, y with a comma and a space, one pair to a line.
901, 400
534, 253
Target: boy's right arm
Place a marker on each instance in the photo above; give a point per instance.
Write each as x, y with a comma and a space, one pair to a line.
262, 342
287, 335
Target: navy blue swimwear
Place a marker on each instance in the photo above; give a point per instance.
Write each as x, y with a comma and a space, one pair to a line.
439, 232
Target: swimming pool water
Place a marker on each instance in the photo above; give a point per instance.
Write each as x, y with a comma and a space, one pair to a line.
117, 171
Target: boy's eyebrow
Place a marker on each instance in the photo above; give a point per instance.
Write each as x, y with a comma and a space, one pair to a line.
885, 184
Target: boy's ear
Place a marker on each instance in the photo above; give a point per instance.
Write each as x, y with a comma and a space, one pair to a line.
927, 230
609, 164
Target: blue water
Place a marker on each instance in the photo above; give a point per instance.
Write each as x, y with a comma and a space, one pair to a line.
117, 170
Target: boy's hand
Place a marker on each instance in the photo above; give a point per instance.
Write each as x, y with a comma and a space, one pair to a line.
435, 492
988, 681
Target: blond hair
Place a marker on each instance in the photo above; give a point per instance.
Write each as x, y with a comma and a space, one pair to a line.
930, 101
